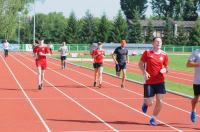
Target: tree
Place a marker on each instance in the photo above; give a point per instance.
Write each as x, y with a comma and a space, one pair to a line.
183, 37
149, 33
129, 6
88, 29
135, 34
168, 32
119, 30
8, 15
103, 29
71, 32
195, 34
190, 10
159, 8
56, 24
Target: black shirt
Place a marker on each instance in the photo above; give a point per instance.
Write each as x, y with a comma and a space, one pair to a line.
121, 54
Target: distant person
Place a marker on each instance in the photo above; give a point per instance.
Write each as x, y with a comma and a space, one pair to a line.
194, 61
63, 55
98, 55
153, 64
41, 51
121, 58
6, 47
50, 45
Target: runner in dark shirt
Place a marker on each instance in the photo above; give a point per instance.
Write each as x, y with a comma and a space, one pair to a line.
120, 57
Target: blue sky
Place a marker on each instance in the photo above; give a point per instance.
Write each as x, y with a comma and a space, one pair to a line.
96, 7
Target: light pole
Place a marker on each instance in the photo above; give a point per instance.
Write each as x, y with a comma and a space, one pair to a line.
34, 23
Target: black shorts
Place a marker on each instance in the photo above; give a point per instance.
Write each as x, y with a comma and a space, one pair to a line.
151, 89
120, 67
63, 58
196, 88
97, 65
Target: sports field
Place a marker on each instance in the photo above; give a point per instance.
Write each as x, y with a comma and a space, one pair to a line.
69, 103
179, 79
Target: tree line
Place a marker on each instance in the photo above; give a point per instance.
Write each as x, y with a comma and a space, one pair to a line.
55, 27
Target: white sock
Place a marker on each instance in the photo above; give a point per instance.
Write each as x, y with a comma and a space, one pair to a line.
153, 117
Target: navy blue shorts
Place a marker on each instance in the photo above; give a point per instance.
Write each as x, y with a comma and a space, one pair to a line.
120, 67
196, 88
151, 89
97, 65
63, 58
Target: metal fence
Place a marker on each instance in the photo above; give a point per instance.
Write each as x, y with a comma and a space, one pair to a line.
138, 48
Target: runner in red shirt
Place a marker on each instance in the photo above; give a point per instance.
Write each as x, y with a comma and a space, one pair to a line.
153, 64
98, 55
41, 51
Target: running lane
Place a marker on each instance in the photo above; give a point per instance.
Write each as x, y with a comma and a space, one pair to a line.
126, 99
60, 111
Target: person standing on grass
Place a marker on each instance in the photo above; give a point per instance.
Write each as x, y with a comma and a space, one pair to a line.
153, 64
6, 46
194, 61
120, 57
41, 52
63, 55
98, 55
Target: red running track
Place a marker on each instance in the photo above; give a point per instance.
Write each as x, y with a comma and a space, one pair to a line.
69, 103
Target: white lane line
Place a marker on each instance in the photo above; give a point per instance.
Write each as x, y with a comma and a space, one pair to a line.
96, 116
27, 97
111, 98
131, 91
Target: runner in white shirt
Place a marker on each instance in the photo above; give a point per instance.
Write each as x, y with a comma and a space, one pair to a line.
63, 55
6, 47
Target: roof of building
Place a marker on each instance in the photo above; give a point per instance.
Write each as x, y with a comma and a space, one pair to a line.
161, 23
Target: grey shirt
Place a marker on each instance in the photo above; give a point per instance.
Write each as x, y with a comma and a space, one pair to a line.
195, 57
63, 50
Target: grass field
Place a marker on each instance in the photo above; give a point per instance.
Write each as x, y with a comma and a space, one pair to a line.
176, 62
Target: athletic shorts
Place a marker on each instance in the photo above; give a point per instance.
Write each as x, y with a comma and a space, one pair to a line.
120, 67
63, 58
151, 89
42, 64
196, 88
97, 65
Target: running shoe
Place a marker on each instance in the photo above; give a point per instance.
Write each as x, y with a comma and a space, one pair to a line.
152, 122
193, 116
144, 108
94, 84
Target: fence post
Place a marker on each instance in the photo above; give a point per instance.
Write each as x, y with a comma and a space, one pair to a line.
183, 49
77, 48
173, 49
192, 48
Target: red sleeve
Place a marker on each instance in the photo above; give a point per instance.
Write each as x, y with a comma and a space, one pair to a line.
144, 57
35, 49
47, 50
94, 52
165, 63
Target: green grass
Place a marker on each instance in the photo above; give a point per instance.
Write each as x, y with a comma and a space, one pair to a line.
177, 87
176, 62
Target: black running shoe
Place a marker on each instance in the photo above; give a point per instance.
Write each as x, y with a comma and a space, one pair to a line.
94, 84
39, 87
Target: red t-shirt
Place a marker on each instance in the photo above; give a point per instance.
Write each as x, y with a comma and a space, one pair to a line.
100, 55
44, 49
153, 64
